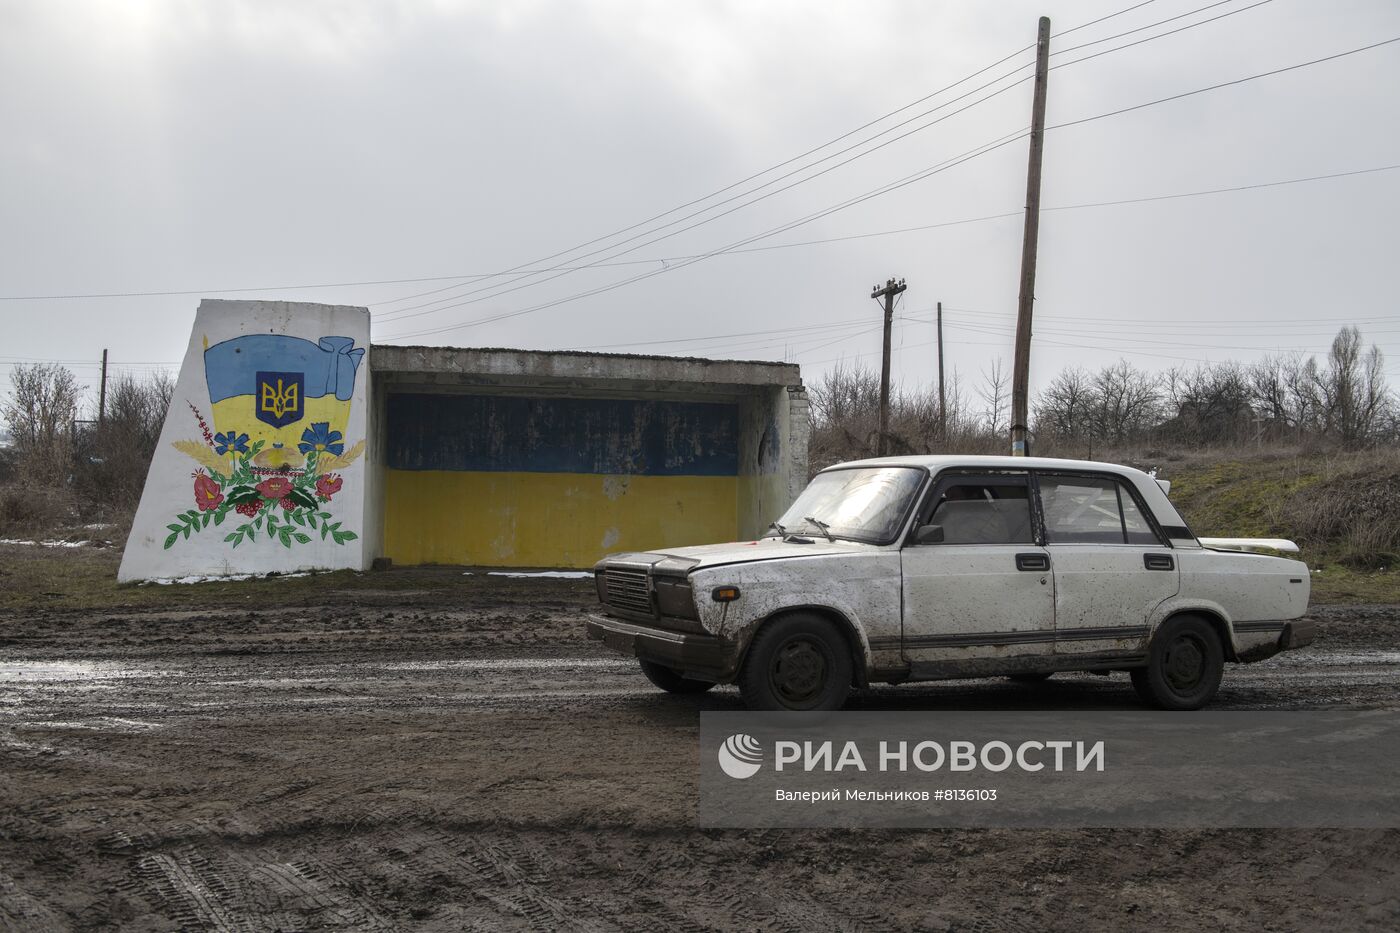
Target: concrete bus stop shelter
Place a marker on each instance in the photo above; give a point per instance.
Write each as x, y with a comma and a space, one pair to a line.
282, 425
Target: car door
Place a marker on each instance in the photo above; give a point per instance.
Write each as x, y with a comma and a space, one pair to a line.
983, 589
1111, 568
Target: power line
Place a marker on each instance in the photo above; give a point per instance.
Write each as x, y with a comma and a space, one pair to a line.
894, 186
498, 290
1224, 84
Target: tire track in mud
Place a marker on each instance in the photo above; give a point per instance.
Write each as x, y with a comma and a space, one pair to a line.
192, 890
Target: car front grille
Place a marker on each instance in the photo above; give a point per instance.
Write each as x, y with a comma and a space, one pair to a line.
627, 589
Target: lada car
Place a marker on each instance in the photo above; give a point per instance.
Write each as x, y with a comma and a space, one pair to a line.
905, 569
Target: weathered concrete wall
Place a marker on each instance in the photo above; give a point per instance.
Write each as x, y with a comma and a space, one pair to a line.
260, 465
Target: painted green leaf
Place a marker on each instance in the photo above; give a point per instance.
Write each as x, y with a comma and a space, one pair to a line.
171, 540
175, 528
238, 495
219, 517
302, 498
301, 538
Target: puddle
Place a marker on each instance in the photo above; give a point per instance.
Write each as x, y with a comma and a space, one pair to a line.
510, 664
31, 672
99, 723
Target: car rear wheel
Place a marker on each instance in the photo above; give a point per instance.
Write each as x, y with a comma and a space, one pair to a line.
1184, 665
670, 679
797, 662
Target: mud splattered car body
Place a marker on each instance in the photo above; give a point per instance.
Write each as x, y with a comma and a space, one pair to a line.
924, 568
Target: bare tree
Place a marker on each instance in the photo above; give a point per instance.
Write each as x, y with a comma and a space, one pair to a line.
995, 392
39, 414
1127, 402
1353, 389
114, 459
1064, 410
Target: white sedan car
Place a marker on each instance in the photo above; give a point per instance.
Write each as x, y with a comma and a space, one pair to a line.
926, 568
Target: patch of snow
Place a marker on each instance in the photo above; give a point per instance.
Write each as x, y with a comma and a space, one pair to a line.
557, 574
214, 578
43, 543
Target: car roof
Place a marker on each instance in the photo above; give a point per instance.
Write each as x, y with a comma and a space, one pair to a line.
936, 462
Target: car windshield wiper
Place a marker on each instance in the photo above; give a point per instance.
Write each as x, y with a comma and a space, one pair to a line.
821, 526
782, 532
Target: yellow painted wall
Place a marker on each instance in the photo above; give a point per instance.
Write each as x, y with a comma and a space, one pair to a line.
549, 519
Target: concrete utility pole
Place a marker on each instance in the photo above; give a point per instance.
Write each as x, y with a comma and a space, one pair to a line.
1020, 375
102, 394
942, 398
891, 289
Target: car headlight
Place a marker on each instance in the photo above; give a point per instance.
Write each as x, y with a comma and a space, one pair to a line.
674, 597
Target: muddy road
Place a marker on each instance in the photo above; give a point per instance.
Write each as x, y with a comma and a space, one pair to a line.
460, 757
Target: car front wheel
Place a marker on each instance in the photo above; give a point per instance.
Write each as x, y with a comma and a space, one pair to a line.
1184, 666
670, 679
797, 662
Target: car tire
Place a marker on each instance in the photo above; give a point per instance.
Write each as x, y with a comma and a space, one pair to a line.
1035, 678
1184, 665
797, 662
671, 680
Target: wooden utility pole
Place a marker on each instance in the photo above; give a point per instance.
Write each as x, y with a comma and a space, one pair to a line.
102, 394
1020, 376
942, 398
891, 289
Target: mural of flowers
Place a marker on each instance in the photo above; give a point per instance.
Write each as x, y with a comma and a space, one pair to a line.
228, 482
228, 443
319, 438
207, 494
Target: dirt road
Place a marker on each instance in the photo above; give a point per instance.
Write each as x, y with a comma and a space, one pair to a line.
460, 758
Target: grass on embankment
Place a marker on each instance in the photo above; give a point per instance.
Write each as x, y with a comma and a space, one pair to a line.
1343, 509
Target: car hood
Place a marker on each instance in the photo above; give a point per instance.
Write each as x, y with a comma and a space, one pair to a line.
738, 552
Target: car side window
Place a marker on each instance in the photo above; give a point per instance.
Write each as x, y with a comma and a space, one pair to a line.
1091, 510
1135, 525
982, 511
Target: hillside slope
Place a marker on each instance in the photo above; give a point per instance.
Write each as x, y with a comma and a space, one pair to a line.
1343, 509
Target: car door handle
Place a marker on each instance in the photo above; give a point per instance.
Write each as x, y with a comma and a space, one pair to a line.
1158, 562
1032, 562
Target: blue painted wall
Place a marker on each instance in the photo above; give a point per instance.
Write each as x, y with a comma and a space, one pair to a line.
561, 435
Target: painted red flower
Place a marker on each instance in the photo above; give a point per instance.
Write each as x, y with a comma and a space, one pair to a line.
328, 485
276, 487
207, 494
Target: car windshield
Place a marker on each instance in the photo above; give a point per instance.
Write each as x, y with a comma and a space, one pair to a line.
867, 504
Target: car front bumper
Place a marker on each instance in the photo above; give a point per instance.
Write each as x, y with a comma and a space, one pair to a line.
703, 657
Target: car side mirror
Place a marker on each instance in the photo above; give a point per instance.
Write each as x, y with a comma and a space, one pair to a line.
929, 534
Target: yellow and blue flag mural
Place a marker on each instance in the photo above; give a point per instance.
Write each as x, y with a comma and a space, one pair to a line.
524, 481
270, 387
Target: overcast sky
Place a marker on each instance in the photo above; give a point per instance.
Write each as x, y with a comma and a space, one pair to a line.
150, 146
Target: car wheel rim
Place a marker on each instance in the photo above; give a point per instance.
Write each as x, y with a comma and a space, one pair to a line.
798, 673
1184, 664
